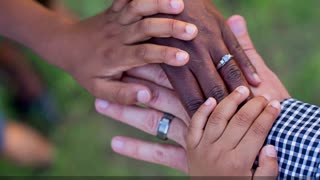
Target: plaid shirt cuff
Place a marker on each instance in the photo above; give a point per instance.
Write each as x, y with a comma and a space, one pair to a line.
296, 136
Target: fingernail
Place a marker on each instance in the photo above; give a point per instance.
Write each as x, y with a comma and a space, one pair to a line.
271, 151
143, 96
275, 104
256, 77
208, 102
175, 4
182, 56
191, 29
102, 104
117, 144
242, 90
238, 27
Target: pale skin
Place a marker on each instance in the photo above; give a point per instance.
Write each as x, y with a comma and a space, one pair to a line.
166, 101
222, 141
97, 51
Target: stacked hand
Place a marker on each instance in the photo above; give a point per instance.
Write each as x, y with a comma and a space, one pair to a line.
224, 142
165, 100
201, 78
98, 50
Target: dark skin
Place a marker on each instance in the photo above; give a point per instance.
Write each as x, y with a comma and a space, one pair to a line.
199, 79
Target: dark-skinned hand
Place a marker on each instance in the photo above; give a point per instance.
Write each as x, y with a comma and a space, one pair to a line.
200, 79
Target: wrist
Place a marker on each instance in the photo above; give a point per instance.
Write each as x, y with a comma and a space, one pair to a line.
49, 44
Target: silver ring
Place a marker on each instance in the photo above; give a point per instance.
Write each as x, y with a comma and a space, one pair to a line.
224, 60
164, 125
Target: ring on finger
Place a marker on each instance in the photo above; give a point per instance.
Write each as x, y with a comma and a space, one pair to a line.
164, 126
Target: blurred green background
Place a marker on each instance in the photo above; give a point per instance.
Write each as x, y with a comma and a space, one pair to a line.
286, 34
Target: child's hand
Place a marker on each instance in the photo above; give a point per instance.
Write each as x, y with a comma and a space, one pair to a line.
225, 142
98, 50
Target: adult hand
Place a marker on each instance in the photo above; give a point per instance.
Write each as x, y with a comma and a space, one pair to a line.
200, 78
271, 86
165, 100
98, 50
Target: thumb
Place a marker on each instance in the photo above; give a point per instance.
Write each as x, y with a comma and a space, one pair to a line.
268, 163
238, 26
121, 93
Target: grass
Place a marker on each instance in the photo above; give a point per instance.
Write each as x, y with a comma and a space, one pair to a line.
285, 34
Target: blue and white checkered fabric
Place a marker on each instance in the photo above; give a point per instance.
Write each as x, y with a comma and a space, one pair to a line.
296, 135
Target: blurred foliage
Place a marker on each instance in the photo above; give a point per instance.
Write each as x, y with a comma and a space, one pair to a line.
285, 34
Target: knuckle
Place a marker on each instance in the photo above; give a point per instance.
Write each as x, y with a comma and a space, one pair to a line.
236, 165
165, 51
144, 26
273, 112
236, 47
260, 100
260, 130
159, 156
193, 105
162, 77
156, 97
119, 93
152, 122
133, 6
233, 73
171, 24
141, 52
218, 117
217, 92
242, 119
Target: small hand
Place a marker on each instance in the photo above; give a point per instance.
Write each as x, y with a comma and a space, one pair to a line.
222, 141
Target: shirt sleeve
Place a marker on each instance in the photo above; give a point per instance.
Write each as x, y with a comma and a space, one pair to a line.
296, 136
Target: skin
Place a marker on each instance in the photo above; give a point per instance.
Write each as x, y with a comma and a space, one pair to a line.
200, 79
25, 147
224, 142
90, 50
166, 100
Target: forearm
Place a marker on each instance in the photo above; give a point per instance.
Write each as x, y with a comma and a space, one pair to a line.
29, 23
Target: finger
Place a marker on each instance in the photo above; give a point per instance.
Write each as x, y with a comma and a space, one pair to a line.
241, 122
162, 99
153, 73
117, 5
198, 123
137, 9
186, 86
214, 86
159, 27
119, 92
268, 164
238, 26
230, 72
256, 135
240, 56
162, 154
143, 119
223, 113
140, 55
